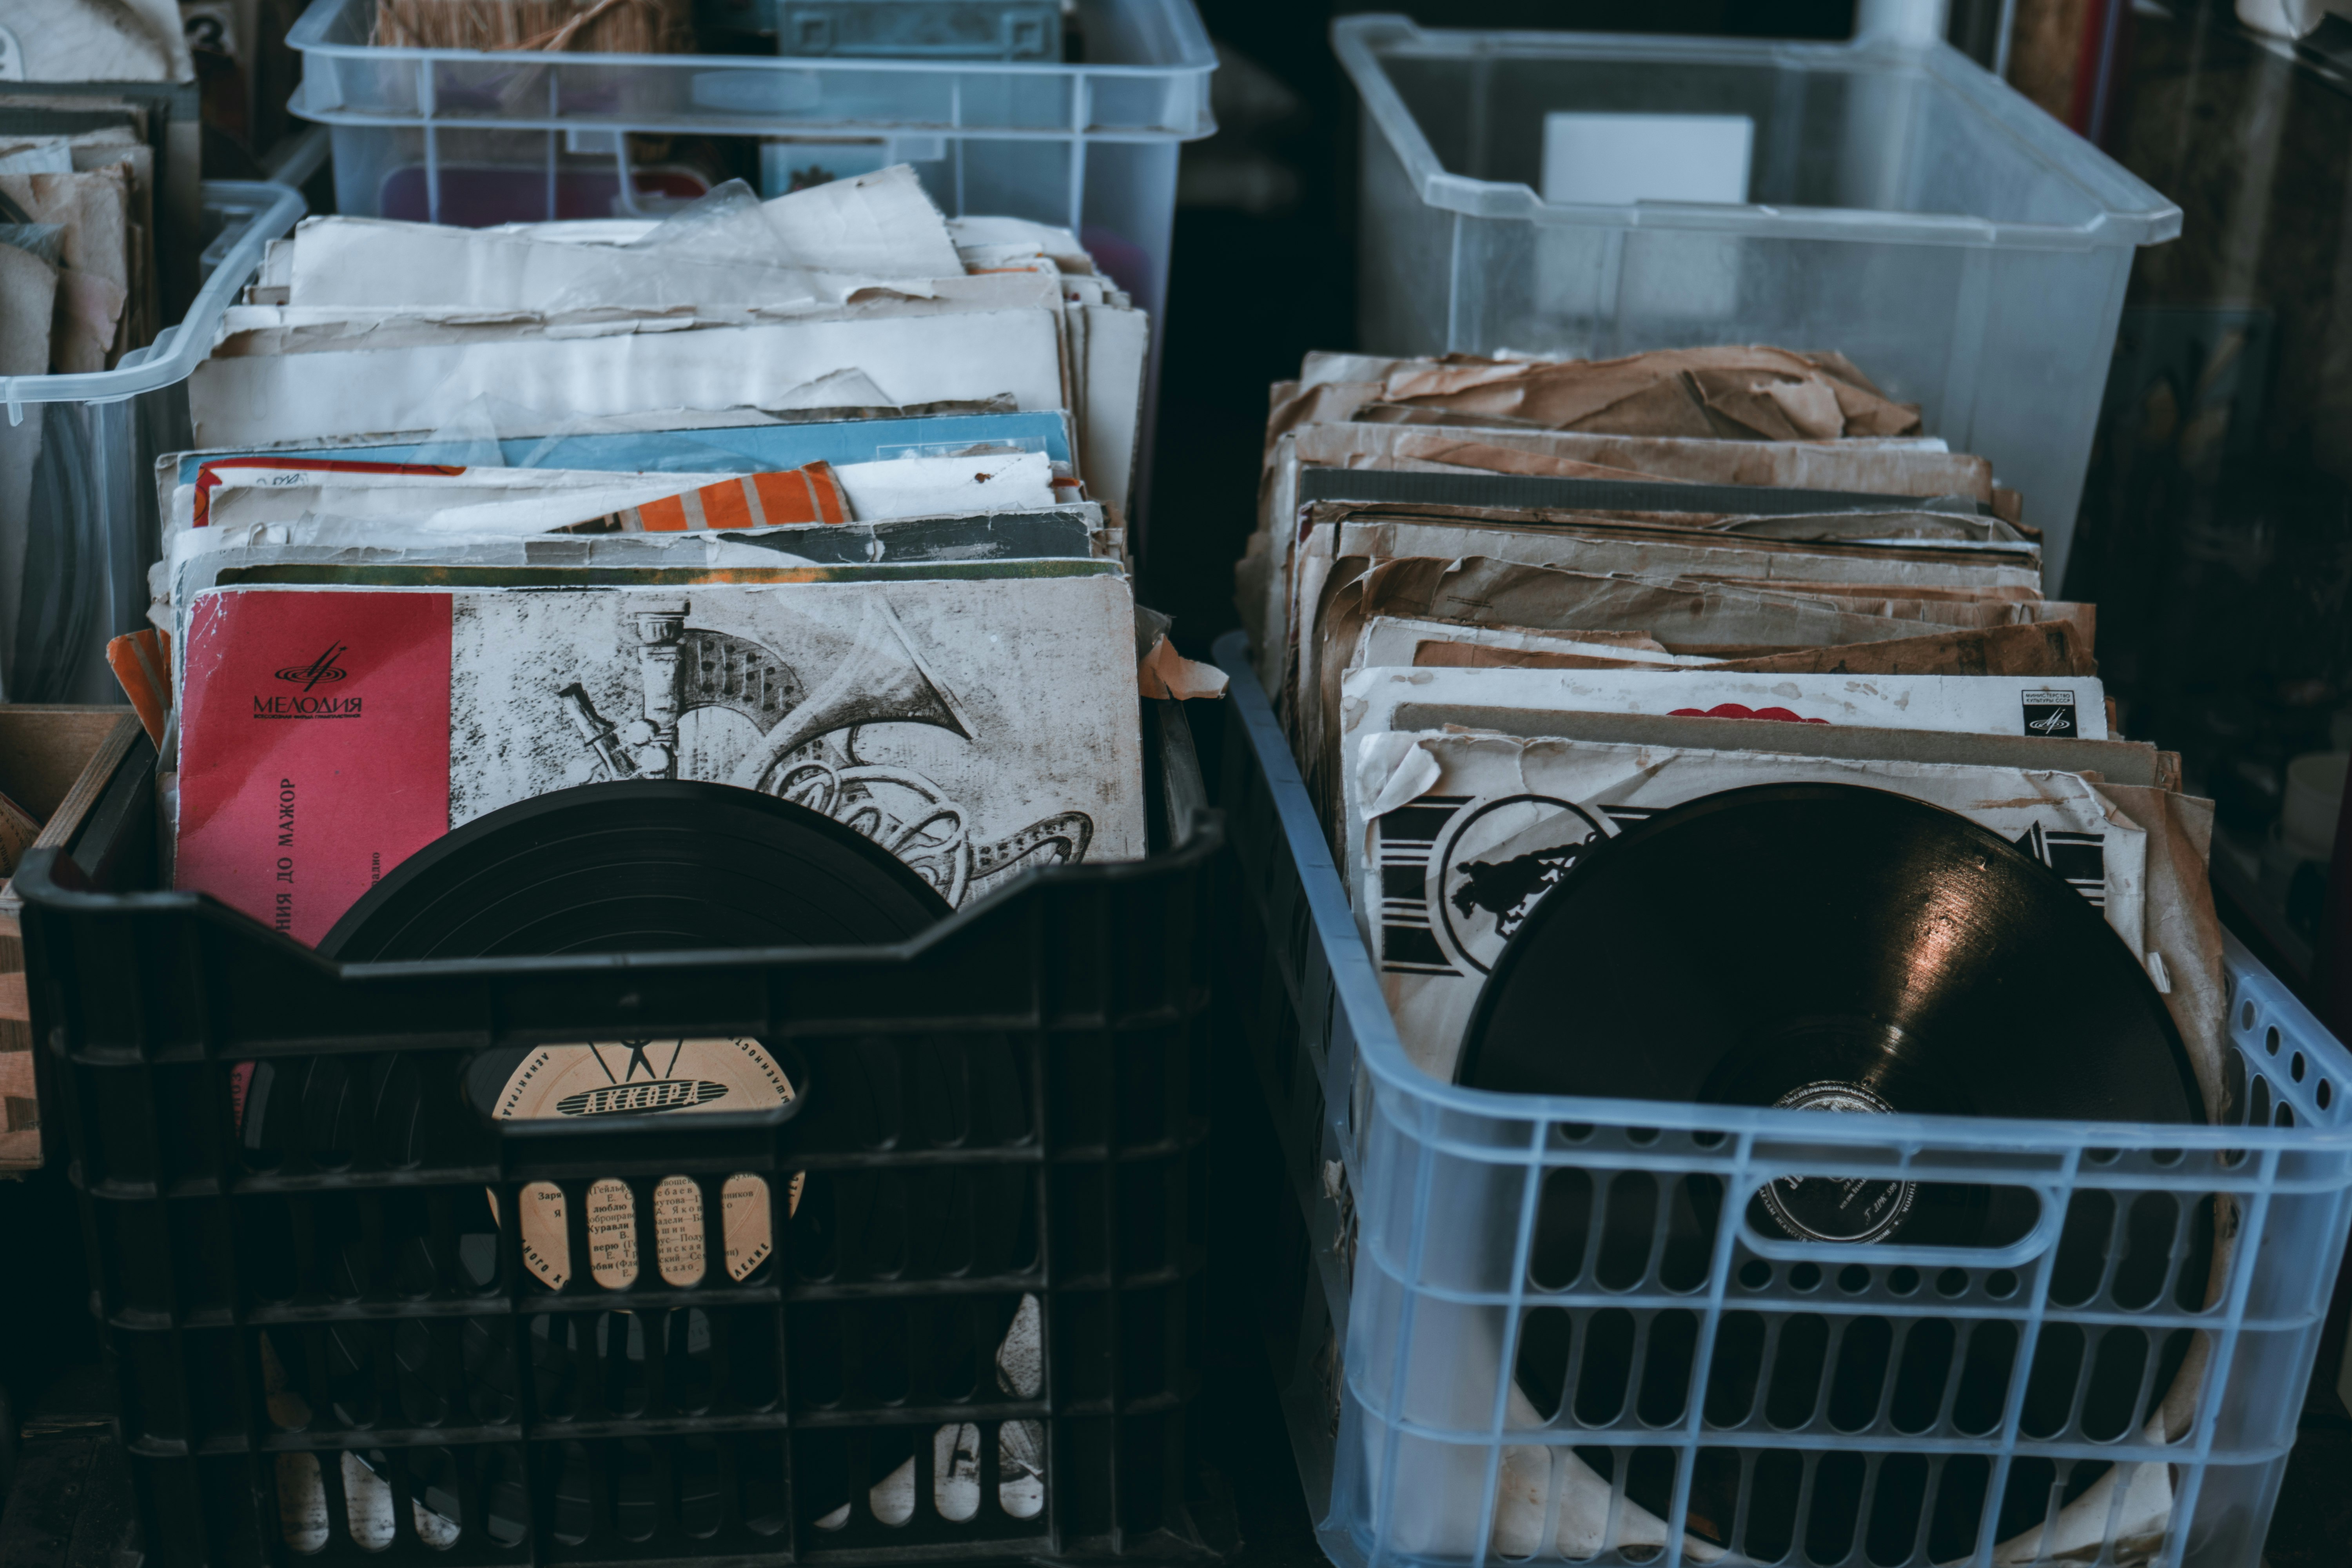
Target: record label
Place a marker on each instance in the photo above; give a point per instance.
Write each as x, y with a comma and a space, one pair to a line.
1854, 1209
635, 1078
638, 1078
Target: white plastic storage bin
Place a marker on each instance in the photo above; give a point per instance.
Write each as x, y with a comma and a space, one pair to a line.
1908, 1406
473, 137
78, 521
1891, 202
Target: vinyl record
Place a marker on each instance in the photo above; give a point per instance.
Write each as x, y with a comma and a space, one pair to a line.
1833, 948
1827, 946
637, 865
642, 865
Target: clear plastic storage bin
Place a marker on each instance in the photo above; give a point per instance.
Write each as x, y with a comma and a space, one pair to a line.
474, 137
1894, 203
1898, 1406
77, 521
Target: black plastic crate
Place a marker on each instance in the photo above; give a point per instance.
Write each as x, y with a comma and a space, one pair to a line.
1005, 1116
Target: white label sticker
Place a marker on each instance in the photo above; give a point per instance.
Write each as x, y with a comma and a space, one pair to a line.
1616, 159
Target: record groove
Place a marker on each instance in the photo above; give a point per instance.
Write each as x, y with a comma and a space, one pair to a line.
640, 864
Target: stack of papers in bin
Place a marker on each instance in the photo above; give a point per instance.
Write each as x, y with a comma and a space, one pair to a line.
1508, 607
844, 438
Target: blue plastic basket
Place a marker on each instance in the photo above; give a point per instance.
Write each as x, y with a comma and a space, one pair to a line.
1429, 1247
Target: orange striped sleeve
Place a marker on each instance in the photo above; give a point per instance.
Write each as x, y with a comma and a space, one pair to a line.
825, 492
142, 661
664, 516
783, 498
726, 504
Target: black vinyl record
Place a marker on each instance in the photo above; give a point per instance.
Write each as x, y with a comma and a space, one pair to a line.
633, 866
1835, 948
1778, 943
636, 865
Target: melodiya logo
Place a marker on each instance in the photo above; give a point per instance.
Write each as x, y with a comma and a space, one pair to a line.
323, 668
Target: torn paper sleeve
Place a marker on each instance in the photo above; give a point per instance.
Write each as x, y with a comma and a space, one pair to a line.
1163, 674
242, 400
1392, 769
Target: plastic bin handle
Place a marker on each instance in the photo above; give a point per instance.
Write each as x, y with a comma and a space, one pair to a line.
1834, 1254
269, 211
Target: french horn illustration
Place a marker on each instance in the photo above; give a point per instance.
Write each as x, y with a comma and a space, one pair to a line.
807, 750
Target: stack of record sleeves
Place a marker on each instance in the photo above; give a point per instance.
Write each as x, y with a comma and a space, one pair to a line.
822, 498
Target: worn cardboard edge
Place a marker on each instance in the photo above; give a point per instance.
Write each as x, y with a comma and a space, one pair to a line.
20, 1128
2124, 761
67, 819
1537, 491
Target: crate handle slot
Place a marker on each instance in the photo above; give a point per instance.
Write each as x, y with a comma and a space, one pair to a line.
1827, 1253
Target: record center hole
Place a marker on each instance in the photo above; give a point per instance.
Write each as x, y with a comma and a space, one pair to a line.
1805, 1276
1903, 1280
2000, 1284
1853, 1278
2270, 1035
2295, 1067
1756, 1274
1952, 1282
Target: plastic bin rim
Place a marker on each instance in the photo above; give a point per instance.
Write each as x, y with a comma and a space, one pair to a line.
706, 125
2131, 212
37, 884
1195, 56
1356, 991
271, 211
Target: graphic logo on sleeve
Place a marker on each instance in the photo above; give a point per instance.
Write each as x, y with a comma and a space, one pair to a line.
2050, 714
2080, 857
1458, 875
322, 670
1741, 710
1495, 861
